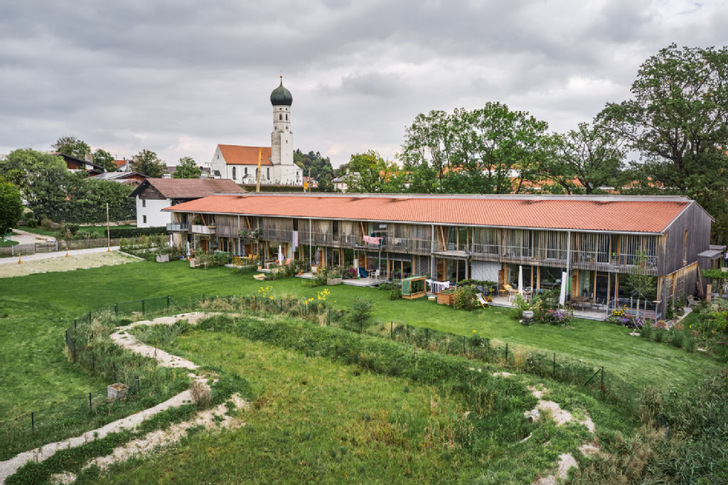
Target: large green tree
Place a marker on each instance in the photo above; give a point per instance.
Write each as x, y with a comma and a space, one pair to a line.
371, 173
11, 207
584, 159
187, 169
104, 159
42, 178
319, 165
487, 150
148, 163
677, 120
72, 146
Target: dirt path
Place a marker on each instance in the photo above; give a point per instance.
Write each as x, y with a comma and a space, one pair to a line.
122, 338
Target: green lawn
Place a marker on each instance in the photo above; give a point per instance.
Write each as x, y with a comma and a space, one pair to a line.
35, 310
7, 243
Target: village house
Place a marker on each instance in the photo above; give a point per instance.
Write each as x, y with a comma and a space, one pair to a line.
154, 194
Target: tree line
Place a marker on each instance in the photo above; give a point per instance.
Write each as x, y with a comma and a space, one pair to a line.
669, 138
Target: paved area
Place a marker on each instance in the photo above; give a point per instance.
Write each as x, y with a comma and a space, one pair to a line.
25, 237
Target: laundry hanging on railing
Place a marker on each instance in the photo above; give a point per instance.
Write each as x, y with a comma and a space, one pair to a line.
372, 240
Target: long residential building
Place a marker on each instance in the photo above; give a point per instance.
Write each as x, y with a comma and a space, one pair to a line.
597, 240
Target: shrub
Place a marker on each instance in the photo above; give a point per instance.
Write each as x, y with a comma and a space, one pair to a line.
620, 316
49, 224
677, 338
360, 313
200, 394
660, 334
520, 305
552, 317
464, 298
646, 330
395, 293
689, 343
129, 232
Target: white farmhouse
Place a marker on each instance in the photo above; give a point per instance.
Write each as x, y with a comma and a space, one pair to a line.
153, 195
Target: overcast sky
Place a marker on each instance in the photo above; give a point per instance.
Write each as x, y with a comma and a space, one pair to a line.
179, 77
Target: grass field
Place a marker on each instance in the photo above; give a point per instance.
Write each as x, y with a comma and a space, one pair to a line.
35, 310
318, 421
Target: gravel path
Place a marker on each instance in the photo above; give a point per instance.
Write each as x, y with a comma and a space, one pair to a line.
122, 338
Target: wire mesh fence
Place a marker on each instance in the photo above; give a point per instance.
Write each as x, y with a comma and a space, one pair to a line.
55, 246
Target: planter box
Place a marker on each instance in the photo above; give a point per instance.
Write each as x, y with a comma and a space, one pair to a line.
194, 263
162, 258
445, 297
117, 391
334, 281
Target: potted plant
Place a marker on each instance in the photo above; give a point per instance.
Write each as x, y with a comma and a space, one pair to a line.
334, 277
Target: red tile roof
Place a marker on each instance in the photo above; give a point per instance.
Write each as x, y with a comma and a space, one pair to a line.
240, 155
189, 188
577, 213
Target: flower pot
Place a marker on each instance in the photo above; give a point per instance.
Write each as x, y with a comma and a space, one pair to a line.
527, 317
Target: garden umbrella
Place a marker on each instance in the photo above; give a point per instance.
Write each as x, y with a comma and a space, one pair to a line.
520, 280
562, 296
280, 253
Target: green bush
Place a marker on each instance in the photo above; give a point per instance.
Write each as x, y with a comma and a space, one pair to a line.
395, 293
129, 232
360, 313
464, 298
647, 330
677, 338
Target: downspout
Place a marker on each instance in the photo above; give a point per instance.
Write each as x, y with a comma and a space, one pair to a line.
433, 266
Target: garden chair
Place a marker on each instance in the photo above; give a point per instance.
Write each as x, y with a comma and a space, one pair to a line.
482, 301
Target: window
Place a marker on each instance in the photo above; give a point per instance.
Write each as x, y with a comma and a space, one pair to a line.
267, 172
286, 116
144, 219
234, 173
245, 171
144, 202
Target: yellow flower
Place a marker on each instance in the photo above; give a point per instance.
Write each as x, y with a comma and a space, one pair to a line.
475, 331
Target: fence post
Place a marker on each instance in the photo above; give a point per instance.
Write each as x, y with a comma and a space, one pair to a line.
391, 330
89, 318
32, 421
506, 353
603, 389
116, 309
90, 409
143, 308
554, 373
74, 324
427, 337
93, 361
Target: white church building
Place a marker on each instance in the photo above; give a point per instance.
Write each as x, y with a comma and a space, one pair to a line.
240, 163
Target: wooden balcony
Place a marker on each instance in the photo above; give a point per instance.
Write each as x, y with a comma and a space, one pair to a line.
203, 230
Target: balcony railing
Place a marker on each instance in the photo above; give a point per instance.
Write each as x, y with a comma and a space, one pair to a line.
226, 231
282, 235
205, 230
177, 227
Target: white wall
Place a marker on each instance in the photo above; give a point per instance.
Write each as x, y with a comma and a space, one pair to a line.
152, 208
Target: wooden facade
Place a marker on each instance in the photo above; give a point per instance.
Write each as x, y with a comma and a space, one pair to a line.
598, 262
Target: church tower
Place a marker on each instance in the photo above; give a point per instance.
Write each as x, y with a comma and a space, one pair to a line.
281, 140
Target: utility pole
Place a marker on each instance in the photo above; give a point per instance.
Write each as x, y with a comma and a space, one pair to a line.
108, 230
